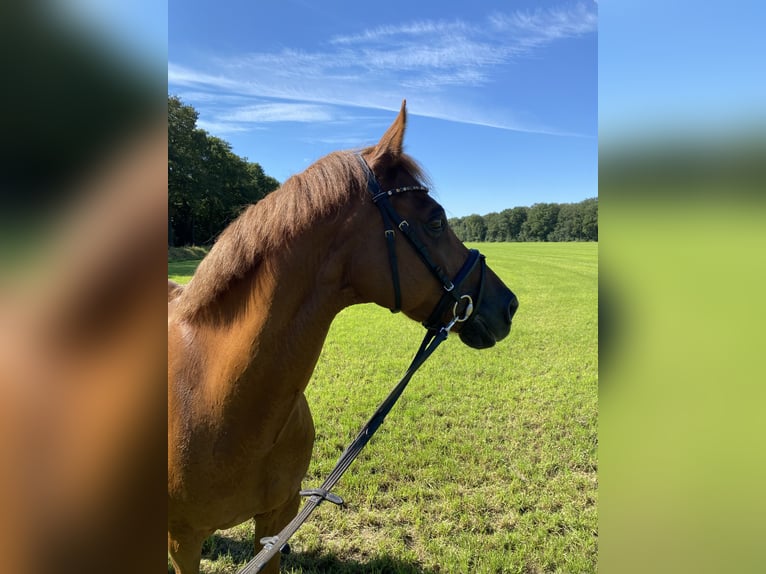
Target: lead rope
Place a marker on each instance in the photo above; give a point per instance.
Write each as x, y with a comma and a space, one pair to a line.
274, 544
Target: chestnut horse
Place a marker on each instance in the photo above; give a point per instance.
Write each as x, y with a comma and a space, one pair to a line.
245, 334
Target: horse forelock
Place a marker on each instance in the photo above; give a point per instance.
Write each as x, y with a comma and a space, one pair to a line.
269, 225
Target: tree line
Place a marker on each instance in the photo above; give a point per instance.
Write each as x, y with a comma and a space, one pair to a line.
541, 222
208, 185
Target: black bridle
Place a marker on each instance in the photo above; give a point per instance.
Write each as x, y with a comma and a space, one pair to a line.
462, 312
392, 221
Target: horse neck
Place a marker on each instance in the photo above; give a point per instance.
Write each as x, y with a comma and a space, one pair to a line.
269, 347
303, 294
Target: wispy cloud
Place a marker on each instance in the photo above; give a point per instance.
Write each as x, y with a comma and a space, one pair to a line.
419, 28
221, 128
547, 25
372, 68
280, 112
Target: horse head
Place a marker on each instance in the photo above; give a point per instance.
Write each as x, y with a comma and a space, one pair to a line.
415, 263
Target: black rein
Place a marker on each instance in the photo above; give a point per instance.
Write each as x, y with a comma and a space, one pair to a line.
437, 333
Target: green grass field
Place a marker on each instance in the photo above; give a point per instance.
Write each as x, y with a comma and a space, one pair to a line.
489, 461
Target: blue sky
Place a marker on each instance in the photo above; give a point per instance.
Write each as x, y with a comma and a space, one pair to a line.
502, 96
682, 69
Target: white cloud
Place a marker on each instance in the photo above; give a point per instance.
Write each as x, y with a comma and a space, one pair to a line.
547, 25
219, 128
371, 69
184, 76
280, 112
421, 28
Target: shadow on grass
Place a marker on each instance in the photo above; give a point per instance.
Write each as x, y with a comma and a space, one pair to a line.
320, 563
219, 546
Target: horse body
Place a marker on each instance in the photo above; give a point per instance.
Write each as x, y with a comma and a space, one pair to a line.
238, 401
245, 334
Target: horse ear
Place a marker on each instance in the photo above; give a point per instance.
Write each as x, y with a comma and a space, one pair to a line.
390, 145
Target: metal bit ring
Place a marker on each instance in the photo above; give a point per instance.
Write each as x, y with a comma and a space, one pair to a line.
468, 309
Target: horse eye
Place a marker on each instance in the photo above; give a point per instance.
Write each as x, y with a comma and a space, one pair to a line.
436, 225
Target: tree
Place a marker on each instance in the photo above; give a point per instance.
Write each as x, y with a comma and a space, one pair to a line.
475, 228
182, 168
590, 219
568, 224
208, 185
516, 218
458, 227
497, 227
540, 223
577, 222
264, 184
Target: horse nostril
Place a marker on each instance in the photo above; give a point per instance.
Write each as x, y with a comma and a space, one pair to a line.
512, 306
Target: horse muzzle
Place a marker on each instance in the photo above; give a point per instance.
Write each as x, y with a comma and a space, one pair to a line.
491, 322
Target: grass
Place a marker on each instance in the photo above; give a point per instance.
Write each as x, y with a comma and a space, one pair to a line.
182, 261
489, 461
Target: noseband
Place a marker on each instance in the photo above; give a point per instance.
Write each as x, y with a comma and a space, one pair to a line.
462, 305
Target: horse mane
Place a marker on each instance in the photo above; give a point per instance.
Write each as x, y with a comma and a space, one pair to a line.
268, 225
